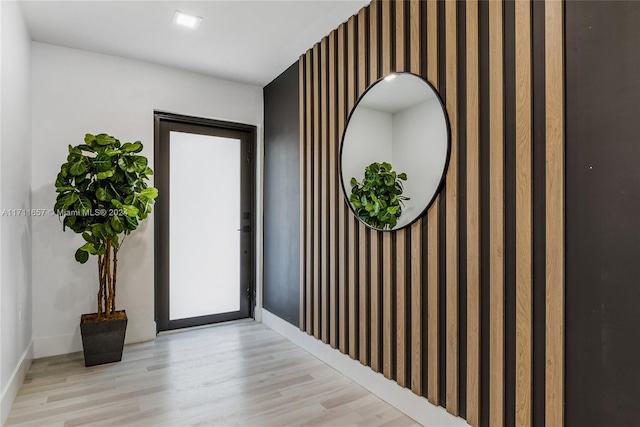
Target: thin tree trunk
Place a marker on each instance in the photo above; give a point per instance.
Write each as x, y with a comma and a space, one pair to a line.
107, 305
115, 273
101, 283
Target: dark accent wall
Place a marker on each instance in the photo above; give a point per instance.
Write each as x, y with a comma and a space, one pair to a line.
603, 213
281, 291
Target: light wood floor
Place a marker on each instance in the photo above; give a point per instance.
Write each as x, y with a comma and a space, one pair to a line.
228, 375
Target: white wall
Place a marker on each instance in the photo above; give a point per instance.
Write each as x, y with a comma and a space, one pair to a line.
16, 350
75, 92
369, 134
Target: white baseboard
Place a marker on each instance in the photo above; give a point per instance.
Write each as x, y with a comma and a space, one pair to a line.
17, 378
60, 344
403, 399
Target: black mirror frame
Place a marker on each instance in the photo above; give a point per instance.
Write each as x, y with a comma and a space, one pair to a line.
446, 163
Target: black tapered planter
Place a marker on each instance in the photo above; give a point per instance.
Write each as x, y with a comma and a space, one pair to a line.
103, 340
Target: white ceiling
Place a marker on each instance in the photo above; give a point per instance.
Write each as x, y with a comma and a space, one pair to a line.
246, 41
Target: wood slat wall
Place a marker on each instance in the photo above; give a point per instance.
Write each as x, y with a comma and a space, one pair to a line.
433, 215
473, 214
411, 303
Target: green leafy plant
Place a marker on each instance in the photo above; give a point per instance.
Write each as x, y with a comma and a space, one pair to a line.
103, 195
378, 199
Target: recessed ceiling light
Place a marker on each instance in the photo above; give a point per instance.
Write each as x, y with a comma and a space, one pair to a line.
186, 20
389, 77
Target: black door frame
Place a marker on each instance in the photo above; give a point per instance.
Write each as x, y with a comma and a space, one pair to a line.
161, 229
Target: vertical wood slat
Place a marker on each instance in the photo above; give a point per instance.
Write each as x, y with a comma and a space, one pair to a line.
387, 256
452, 210
374, 249
363, 291
473, 214
416, 228
309, 192
432, 229
342, 208
524, 224
303, 191
401, 240
496, 232
376, 307
554, 110
400, 36
387, 306
374, 272
401, 307
324, 196
352, 222
316, 192
334, 196
385, 48
363, 257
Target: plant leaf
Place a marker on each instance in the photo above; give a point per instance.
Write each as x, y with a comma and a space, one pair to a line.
90, 140
150, 193
104, 194
102, 162
78, 168
104, 139
82, 256
129, 210
105, 174
83, 205
117, 224
129, 147
89, 247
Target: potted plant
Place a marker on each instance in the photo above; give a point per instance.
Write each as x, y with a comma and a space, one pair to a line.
103, 195
378, 199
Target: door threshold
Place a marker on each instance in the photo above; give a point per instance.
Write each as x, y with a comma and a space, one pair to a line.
212, 325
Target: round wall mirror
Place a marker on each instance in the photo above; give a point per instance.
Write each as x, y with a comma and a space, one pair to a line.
395, 151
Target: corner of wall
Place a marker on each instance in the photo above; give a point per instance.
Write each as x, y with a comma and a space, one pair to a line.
15, 176
10, 392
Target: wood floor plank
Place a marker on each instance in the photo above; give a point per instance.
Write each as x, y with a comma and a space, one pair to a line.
241, 373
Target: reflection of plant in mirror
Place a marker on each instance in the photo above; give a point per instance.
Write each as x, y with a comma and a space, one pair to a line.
378, 199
